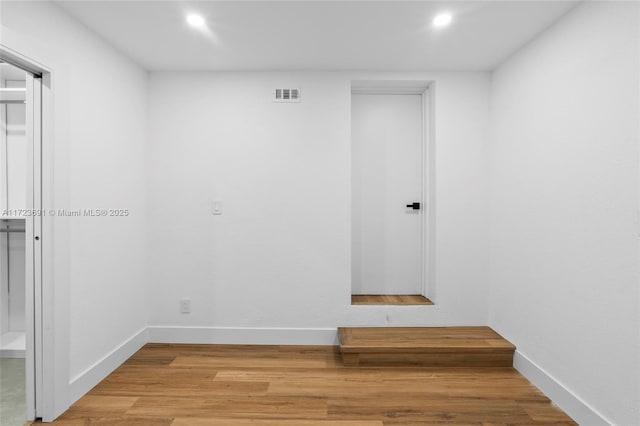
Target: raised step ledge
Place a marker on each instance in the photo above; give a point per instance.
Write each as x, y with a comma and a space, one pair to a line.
426, 346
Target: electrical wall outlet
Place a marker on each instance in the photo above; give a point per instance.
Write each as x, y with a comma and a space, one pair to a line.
185, 306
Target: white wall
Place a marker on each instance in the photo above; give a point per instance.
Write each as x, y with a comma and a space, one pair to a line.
100, 108
14, 159
13, 166
563, 237
564, 162
12, 271
16, 284
279, 255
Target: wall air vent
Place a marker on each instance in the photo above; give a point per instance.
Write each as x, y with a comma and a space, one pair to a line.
287, 95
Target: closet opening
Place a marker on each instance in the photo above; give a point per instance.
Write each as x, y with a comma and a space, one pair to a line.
20, 249
391, 197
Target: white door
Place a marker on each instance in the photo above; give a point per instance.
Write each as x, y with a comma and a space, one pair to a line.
387, 228
33, 244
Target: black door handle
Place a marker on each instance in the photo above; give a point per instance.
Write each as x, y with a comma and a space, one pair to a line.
415, 206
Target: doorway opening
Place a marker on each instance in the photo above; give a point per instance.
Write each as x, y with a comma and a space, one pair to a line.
391, 198
20, 249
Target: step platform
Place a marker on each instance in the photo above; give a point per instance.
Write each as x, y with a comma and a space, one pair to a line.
424, 346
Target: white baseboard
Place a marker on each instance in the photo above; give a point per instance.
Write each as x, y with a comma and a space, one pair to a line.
243, 335
85, 381
564, 398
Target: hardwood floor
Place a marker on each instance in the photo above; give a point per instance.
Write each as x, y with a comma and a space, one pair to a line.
428, 346
386, 299
194, 385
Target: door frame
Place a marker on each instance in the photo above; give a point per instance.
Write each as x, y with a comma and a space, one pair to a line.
427, 160
40, 361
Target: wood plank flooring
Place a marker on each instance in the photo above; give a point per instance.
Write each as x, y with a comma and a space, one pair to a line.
428, 346
196, 385
385, 299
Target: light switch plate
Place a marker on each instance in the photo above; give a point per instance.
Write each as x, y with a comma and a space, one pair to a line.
185, 306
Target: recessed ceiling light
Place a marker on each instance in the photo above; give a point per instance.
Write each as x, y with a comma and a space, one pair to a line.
442, 20
195, 20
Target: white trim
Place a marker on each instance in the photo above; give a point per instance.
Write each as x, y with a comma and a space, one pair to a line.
388, 91
389, 87
17, 59
563, 397
425, 189
85, 381
243, 335
55, 336
37, 243
429, 159
33, 325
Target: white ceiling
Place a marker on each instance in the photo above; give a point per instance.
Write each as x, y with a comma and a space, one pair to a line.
318, 35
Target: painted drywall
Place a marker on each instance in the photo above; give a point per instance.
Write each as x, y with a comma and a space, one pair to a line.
16, 283
564, 184
279, 254
14, 157
98, 160
13, 166
12, 273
